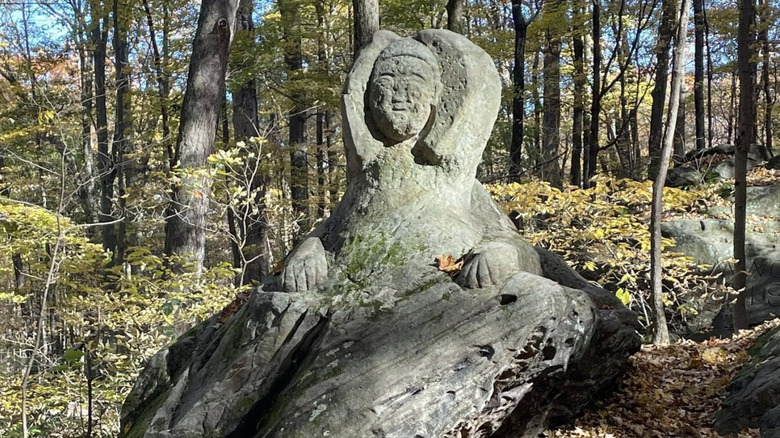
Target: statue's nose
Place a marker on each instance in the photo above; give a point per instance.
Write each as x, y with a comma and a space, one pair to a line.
400, 95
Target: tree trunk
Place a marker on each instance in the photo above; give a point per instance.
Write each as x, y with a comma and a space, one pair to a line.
537, 109
252, 218
659, 89
105, 162
324, 66
710, 125
763, 37
293, 58
660, 329
86, 177
679, 136
575, 177
186, 227
623, 135
366, 22
595, 104
123, 150
333, 181
551, 169
745, 138
518, 100
698, 82
163, 84
455, 15
733, 110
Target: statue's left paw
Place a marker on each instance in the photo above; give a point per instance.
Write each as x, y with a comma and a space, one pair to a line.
306, 267
489, 264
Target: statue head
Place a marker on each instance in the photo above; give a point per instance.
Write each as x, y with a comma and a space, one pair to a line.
403, 89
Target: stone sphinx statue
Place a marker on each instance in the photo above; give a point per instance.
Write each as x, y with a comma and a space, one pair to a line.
360, 335
417, 115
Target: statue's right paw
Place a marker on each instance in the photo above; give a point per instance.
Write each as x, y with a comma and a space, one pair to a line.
488, 265
306, 267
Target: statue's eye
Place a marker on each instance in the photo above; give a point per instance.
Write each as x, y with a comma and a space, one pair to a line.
384, 82
416, 90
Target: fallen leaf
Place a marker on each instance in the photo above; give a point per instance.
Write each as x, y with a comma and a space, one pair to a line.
449, 264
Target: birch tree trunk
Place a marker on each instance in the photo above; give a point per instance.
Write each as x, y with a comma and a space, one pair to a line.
660, 329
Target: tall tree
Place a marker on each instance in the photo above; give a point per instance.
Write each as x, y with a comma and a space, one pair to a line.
745, 138
537, 100
106, 170
163, 78
293, 57
185, 233
322, 117
660, 329
662, 50
551, 129
455, 15
698, 81
579, 80
366, 22
521, 24
678, 150
252, 217
595, 104
766, 60
122, 145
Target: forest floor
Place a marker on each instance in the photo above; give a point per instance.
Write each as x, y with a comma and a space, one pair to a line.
670, 391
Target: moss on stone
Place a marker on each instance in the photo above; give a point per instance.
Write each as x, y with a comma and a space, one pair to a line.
137, 426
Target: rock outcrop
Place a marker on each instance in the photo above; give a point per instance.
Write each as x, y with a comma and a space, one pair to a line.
361, 335
710, 242
753, 398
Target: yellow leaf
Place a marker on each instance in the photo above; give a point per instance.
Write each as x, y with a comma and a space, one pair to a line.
624, 296
449, 264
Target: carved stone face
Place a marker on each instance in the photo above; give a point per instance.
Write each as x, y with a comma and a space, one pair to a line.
401, 93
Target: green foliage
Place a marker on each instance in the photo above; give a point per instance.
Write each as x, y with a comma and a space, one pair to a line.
114, 318
603, 233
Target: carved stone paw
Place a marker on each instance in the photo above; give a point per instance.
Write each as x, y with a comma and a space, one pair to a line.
306, 267
489, 264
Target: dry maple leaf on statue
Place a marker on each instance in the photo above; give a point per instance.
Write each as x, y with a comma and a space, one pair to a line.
278, 267
449, 264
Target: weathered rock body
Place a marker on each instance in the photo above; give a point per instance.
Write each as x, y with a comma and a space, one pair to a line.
753, 398
711, 242
368, 337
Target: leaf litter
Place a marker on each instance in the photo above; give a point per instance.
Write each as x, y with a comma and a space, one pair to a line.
670, 391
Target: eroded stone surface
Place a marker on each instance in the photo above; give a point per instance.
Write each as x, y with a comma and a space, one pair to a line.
418, 114
753, 398
360, 335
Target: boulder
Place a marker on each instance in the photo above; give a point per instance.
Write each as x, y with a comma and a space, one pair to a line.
770, 423
362, 334
753, 398
723, 169
711, 242
683, 176
773, 163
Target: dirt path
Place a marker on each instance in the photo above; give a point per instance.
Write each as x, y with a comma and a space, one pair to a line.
671, 391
